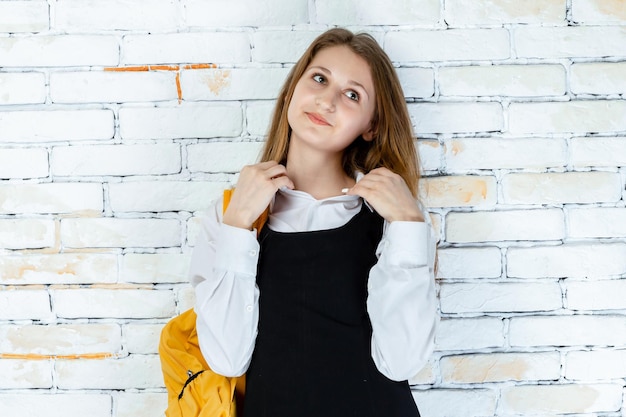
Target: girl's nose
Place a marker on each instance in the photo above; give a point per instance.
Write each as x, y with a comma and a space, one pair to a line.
326, 100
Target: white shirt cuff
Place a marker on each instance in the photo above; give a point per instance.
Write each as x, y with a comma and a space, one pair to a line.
405, 244
237, 250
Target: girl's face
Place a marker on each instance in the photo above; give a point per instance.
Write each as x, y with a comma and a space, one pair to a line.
333, 102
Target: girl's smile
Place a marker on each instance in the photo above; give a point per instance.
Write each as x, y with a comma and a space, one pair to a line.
317, 119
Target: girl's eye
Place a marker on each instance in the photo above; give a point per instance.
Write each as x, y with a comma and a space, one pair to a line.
319, 78
352, 95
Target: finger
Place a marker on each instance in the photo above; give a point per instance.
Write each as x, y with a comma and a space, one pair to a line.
283, 181
275, 171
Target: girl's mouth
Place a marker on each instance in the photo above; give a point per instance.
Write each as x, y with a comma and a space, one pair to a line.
317, 119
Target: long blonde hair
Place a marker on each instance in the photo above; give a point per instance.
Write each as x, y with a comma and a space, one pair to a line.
392, 146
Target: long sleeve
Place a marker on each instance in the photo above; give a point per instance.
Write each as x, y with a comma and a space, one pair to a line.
402, 301
223, 272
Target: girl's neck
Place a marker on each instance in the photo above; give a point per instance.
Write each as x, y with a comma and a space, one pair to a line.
318, 175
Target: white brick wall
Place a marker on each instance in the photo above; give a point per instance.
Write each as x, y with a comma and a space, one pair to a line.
120, 121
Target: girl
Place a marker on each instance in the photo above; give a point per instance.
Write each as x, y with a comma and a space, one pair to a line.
332, 308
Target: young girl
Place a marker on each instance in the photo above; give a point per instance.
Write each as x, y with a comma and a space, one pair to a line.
332, 307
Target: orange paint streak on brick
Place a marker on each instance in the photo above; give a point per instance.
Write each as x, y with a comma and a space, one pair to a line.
200, 66
179, 68
39, 357
179, 89
128, 69
164, 67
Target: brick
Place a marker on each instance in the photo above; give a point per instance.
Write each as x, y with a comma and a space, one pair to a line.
458, 191
51, 198
499, 297
159, 268
465, 154
24, 374
176, 48
595, 365
560, 399
142, 338
597, 222
233, 84
469, 333
448, 45
598, 78
26, 233
112, 87
281, 46
601, 152
193, 229
22, 87
417, 82
567, 331
55, 405
429, 152
498, 12
129, 404
99, 15
31, 304
191, 121
113, 303
596, 295
500, 367
559, 188
468, 262
570, 260
377, 12
116, 160
117, 232
503, 80
135, 371
456, 402
22, 163
182, 196
227, 157
247, 13
258, 118
569, 41
456, 117
63, 268
56, 125
59, 51
494, 226
567, 117
63, 339
23, 16
598, 11
186, 298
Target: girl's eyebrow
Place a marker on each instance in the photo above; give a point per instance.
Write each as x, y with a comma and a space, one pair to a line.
326, 70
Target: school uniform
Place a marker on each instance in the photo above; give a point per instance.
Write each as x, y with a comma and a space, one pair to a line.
329, 311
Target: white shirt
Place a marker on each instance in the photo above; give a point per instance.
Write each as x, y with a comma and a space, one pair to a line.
401, 300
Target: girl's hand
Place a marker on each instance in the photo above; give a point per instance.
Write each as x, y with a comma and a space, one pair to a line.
254, 191
389, 195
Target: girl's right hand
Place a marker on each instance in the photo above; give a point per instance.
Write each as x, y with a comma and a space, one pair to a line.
254, 191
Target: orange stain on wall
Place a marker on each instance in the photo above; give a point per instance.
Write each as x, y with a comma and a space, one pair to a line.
177, 68
615, 8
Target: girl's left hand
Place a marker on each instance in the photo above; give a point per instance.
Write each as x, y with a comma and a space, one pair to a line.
389, 195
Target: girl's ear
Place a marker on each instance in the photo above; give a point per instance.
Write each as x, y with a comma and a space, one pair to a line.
369, 134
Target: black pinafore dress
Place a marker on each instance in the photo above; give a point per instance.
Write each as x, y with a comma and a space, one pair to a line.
312, 356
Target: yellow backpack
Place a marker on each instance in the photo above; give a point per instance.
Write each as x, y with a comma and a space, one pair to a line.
193, 389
